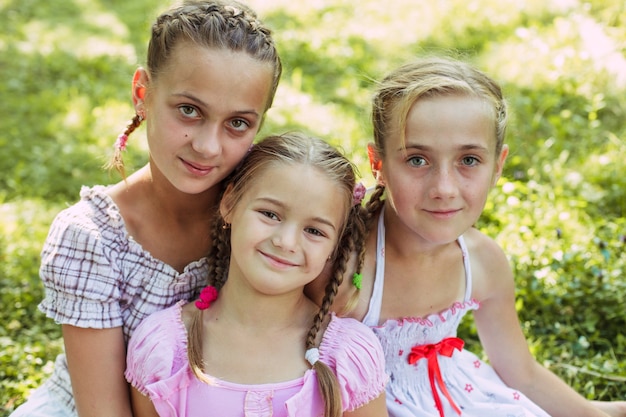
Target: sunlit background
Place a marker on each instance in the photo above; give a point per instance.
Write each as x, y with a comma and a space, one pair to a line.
558, 211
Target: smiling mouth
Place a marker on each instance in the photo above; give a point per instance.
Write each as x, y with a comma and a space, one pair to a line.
276, 261
197, 168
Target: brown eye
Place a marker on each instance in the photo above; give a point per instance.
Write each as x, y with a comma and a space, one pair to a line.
188, 111
239, 125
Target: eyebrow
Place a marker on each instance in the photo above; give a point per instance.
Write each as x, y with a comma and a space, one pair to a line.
468, 147
282, 205
192, 97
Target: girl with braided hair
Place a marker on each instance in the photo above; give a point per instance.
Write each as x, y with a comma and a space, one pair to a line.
439, 128
254, 344
128, 250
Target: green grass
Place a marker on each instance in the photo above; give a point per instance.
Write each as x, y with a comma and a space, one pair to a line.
559, 211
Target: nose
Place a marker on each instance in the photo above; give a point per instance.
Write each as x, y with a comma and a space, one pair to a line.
444, 184
208, 142
285, 238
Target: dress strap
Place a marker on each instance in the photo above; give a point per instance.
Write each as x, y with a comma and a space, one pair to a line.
468, 268
376, 300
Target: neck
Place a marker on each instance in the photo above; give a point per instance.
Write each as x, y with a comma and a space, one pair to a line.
243, 306
405, 243
171, 202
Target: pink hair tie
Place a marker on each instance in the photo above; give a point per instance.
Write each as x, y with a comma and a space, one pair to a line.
120, 143
207, 296
358, 193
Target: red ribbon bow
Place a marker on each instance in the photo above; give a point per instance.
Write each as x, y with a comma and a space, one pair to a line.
446, 348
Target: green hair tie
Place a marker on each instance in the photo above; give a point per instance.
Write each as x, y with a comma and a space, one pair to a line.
357, 280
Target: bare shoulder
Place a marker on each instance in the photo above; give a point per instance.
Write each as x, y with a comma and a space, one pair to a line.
491, 270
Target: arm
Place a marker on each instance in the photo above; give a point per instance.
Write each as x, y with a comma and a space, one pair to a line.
96, 360
375, 408
504, 342
142, 405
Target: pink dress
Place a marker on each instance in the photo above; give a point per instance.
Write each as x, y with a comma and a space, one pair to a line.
158, 367
427, 364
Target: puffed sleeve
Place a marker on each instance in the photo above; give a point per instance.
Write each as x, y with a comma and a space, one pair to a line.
81, 280
354, 352
156, 351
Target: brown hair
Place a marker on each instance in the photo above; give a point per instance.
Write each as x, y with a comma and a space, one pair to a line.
221, 24
292, 149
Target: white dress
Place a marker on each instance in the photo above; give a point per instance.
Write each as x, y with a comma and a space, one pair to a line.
427, 364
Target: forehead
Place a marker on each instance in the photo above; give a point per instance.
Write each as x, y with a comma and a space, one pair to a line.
302, 189
444, 118
193, 63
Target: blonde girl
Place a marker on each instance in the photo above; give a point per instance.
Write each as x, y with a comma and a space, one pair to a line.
439, 128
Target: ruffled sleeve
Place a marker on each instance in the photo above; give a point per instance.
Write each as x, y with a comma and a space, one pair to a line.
353, 351
157, 350
78, 268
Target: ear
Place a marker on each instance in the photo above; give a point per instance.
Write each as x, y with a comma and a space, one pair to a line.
376, 163
140, 81
500, 164
226, 204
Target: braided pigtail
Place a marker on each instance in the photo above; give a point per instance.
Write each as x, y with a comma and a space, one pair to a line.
366, 216
117, 162
357, 237
351, 241
219, 258
374, 205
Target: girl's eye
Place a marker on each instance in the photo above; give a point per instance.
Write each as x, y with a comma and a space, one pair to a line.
188, 111
314, 231
469, 161
269, 214
239, 125
416, 161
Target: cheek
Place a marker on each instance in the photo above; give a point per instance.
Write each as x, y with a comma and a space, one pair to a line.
234, 150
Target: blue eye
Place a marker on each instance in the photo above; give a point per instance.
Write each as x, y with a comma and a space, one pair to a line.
469, 161
416, 161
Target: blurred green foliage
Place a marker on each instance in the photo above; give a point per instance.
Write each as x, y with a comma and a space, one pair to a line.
558, 212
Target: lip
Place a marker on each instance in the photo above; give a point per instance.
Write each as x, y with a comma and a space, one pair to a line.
277, 261
443, 214
196, 169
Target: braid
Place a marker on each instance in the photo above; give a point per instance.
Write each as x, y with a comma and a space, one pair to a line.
219, 258
374, 204
351, 240
117, 162
358, 238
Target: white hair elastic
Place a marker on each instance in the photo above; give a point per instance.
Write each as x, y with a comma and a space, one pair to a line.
312, 355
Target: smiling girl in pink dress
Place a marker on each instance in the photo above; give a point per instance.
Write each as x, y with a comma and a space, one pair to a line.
254, 345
